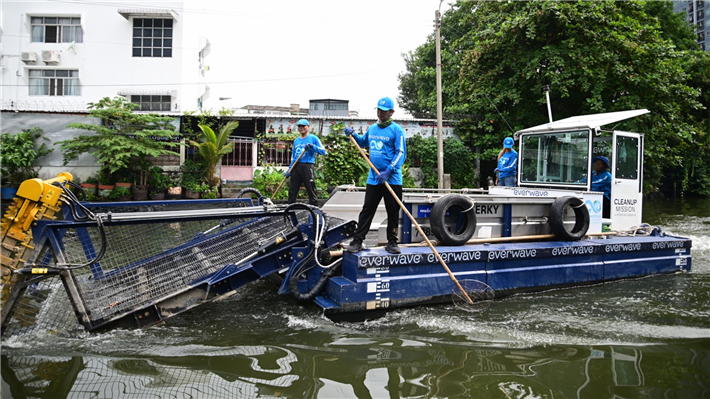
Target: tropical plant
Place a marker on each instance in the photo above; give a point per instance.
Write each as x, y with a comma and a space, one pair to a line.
343, 164
120, 192
121, 137
158, 179
267, 180
213, 147
18, 153
192, 174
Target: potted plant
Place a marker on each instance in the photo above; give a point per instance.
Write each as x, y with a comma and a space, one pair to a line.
213, 146
141, 188
90, 185
207, 192
174, 189
105, 186
159, 183
191, 185
18, 154
120, 194
124, 179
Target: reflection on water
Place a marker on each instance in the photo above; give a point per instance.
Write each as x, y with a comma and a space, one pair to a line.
642, 338
394, 368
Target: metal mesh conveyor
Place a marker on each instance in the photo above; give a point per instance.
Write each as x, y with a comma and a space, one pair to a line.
149, 257
146, 263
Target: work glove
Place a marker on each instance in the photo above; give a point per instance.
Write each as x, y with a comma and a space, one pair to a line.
309, 147
348, 131
495, 170
287, 174
384, 175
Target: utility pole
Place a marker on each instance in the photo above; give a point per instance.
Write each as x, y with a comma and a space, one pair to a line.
546, 89
439, 138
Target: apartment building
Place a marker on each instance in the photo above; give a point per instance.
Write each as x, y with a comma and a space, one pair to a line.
59, 56
698, 15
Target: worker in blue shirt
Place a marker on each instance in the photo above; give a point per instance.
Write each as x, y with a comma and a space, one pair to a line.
304, 172
388, 151
507, 164
601, 182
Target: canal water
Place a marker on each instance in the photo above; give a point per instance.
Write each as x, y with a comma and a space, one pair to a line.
642, 338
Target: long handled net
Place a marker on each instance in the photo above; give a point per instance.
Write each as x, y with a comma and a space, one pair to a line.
480, 294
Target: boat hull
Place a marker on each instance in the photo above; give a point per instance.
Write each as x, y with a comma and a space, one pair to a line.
374, 281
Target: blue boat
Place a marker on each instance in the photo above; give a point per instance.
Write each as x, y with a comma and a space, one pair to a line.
68, 264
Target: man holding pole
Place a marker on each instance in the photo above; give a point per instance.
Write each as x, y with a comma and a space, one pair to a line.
387, 153
302, 169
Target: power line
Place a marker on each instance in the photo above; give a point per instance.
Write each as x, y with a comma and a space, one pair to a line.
211, 83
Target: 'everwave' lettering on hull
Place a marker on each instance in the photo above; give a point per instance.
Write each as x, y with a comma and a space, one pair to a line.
572, 251
512, 254
418, 259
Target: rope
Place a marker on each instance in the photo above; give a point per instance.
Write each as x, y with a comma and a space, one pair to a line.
641, 230
473, 205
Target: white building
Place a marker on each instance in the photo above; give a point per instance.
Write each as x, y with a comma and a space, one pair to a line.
59, 56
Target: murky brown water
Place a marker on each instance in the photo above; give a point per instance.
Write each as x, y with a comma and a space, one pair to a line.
643, 338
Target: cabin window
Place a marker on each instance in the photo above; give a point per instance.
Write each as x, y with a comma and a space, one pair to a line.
557, 158
627, 153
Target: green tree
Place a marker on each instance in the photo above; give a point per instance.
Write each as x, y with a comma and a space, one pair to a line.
123, 139
597, 56
343, 163
213, 147
458, 160
18, 153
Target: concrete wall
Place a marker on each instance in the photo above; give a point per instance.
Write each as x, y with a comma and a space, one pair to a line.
55, 129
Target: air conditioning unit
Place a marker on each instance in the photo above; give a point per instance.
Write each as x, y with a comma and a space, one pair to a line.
29, 56
50, 56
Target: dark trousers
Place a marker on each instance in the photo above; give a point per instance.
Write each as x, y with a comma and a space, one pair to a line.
303, 174
373, 195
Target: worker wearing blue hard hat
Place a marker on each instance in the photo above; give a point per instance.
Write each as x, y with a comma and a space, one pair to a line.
507, 169
388, 150
601, 182
303, 172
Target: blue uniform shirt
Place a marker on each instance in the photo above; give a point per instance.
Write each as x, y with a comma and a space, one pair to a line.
387, 150
299, 144
600, 183
508, 164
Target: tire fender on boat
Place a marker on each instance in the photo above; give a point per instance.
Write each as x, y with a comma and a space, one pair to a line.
438, 222
558, 209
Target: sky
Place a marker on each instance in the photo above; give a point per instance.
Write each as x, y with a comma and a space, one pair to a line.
275, 52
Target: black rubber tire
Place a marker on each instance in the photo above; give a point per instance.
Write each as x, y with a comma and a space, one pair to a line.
558, 209
438, 215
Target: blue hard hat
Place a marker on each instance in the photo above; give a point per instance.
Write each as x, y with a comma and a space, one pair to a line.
385, 104
508, 142
303, 122
602, 158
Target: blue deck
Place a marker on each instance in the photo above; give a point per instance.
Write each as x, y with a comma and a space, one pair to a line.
376, 280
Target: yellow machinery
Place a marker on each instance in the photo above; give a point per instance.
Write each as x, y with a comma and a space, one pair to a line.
36, 199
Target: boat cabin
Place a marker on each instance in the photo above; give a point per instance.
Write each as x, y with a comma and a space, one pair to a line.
558, 157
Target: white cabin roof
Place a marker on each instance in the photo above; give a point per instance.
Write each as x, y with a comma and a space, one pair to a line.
586, 121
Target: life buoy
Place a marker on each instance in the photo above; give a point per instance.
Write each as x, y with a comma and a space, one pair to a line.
557, 216
438, 215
